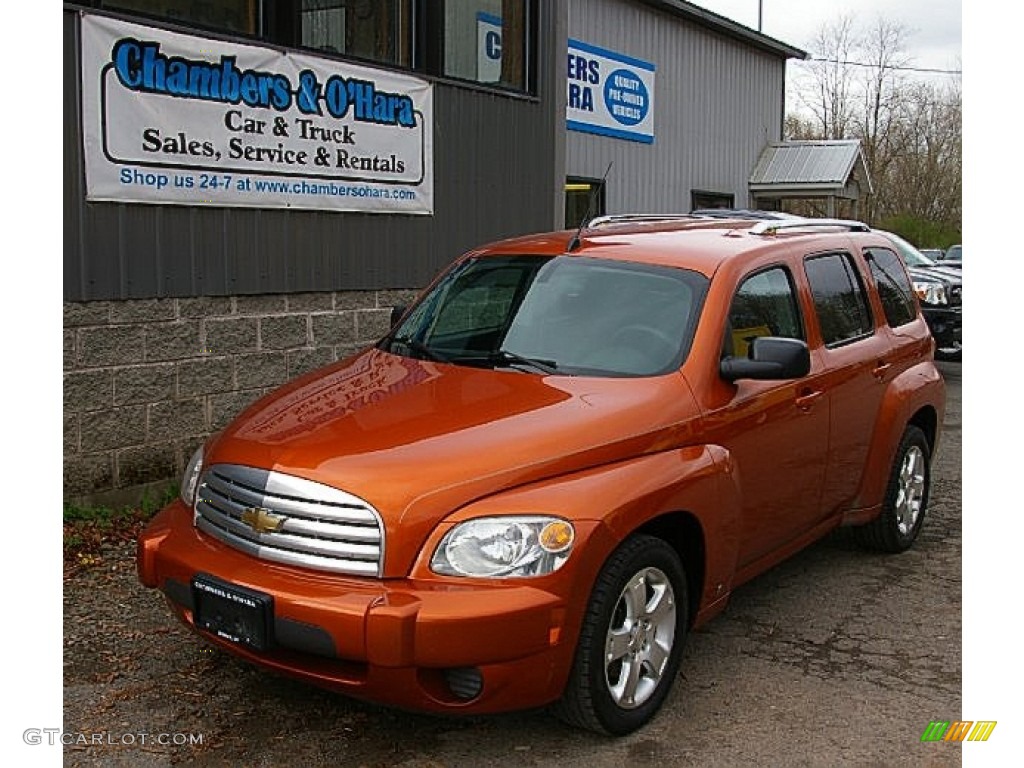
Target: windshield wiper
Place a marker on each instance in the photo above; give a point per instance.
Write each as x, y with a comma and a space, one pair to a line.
497, 357
505, 357
420, 348
547, 366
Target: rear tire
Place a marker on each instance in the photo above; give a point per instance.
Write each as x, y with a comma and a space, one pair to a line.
631, 641
906, 497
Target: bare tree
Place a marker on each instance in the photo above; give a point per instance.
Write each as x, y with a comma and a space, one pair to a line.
881, 50
910, 131
828, 91
924, 164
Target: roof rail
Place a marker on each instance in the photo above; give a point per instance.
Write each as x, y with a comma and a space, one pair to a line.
771, 227
622, 218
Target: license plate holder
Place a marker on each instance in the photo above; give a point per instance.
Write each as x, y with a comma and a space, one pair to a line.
233, 612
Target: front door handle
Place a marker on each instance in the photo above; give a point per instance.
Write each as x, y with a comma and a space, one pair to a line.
807, 398
880, 369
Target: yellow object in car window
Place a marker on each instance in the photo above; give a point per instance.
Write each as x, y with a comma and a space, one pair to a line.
742, 337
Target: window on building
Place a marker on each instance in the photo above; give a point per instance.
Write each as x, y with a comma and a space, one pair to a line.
377, 30
701, 199
894, 288
764, 305
584, 199
485, 41
839, 299
491, 42
241, 16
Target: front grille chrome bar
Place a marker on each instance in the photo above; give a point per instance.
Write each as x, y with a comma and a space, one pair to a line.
290, 520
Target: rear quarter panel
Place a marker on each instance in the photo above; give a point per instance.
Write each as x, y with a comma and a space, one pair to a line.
915, 396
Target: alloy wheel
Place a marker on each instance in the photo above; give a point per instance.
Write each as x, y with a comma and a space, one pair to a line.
640, 638
910, 492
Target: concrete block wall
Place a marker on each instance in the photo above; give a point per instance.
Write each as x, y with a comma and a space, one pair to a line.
145, 381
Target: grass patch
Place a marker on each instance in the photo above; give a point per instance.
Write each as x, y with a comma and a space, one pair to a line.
89, 530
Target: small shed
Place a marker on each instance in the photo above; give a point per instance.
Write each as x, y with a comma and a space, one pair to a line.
831, 169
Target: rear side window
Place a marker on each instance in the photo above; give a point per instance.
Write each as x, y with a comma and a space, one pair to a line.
839, 300
764, 305
893, 286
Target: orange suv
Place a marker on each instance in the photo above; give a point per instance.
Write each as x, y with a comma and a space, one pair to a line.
563, 457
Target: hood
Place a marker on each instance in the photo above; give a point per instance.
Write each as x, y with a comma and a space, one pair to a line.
418, 439
938, 273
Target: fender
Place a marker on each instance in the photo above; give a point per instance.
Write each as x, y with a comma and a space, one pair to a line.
917, 395
612, 501
696, 483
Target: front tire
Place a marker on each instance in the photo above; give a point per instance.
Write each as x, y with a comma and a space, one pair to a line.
906, 497
631, 642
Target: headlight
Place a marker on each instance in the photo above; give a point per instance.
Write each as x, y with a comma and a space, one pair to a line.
931, 293
504, 546
190, 480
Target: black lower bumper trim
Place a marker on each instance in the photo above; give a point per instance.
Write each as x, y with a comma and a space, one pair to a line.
288, 633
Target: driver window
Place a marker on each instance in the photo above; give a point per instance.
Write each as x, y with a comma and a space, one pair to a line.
764, 305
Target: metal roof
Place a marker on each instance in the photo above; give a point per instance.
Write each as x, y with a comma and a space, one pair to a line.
821, 166
727, 27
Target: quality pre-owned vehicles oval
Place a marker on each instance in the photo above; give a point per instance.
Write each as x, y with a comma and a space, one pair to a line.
561, 459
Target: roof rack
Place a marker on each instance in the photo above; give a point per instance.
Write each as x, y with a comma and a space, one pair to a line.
622, 218
771, 227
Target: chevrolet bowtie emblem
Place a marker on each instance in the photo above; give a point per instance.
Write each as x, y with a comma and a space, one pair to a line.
261, 520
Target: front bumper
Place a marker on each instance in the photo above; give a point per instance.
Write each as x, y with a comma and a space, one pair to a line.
945, 324
403, 642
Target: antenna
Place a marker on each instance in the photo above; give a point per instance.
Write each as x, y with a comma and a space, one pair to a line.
574, 241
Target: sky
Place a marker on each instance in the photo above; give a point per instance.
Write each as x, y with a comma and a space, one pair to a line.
933, 26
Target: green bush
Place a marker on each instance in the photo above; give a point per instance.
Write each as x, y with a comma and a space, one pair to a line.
922, 232
89, 529
151, 503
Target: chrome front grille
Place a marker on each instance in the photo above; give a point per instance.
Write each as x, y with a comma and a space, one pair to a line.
290, 520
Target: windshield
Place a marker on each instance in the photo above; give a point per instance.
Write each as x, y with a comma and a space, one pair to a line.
954, 253
572, 315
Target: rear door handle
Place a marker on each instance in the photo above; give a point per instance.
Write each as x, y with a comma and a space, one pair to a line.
807, 398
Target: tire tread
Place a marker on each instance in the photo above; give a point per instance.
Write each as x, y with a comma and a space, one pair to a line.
880, 534
576, 707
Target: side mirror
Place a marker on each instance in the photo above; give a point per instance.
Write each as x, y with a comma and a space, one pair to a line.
770, 358
397, 313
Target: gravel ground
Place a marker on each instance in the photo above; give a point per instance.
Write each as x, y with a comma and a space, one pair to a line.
835, 657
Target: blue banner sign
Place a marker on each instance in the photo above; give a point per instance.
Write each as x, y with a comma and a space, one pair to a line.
609, 93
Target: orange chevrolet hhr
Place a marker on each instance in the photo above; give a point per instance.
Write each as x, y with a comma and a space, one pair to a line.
565, 455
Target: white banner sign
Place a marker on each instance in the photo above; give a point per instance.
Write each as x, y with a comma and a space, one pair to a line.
488, 47
172, 118
609, 94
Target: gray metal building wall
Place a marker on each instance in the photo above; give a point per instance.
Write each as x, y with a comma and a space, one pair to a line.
717, 103
498, 163
176, 318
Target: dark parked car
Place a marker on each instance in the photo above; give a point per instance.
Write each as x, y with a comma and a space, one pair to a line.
952, 257
939, 288
935, 254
